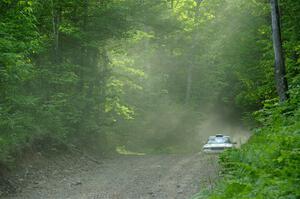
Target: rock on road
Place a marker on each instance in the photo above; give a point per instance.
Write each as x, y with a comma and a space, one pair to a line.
124, 177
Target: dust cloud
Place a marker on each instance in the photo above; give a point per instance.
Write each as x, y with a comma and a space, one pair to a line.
173, 128
215, 124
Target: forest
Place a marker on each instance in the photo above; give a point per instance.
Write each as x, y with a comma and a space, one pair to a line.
145, 75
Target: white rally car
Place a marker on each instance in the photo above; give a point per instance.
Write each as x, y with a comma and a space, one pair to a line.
218, 143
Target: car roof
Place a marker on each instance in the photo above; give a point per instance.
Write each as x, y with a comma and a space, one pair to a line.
219, 135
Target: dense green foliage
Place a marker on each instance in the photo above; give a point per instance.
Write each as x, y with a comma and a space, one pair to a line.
56, 75
90, 71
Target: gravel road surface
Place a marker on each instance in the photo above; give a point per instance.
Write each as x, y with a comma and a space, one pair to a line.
121, 177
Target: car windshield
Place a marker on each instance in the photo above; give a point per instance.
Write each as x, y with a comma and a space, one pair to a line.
218, 140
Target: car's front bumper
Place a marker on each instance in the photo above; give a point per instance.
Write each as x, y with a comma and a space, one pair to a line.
213, 151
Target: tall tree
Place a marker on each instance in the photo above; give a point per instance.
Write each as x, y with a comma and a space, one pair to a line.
56, 21
189, 78
280, 73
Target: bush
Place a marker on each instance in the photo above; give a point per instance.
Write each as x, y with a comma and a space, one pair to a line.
267, 167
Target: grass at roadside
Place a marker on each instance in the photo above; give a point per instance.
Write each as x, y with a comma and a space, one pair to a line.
268, 166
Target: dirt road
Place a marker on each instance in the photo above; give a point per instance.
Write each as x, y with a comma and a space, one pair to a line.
125, 177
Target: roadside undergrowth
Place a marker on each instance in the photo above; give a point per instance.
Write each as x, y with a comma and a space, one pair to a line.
267, 167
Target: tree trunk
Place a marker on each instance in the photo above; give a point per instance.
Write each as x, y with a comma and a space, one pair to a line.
83, 60
188, 84
280, 78
56, 20
85, 14
189, 78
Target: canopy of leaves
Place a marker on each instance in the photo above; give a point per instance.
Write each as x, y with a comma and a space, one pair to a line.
143, 73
